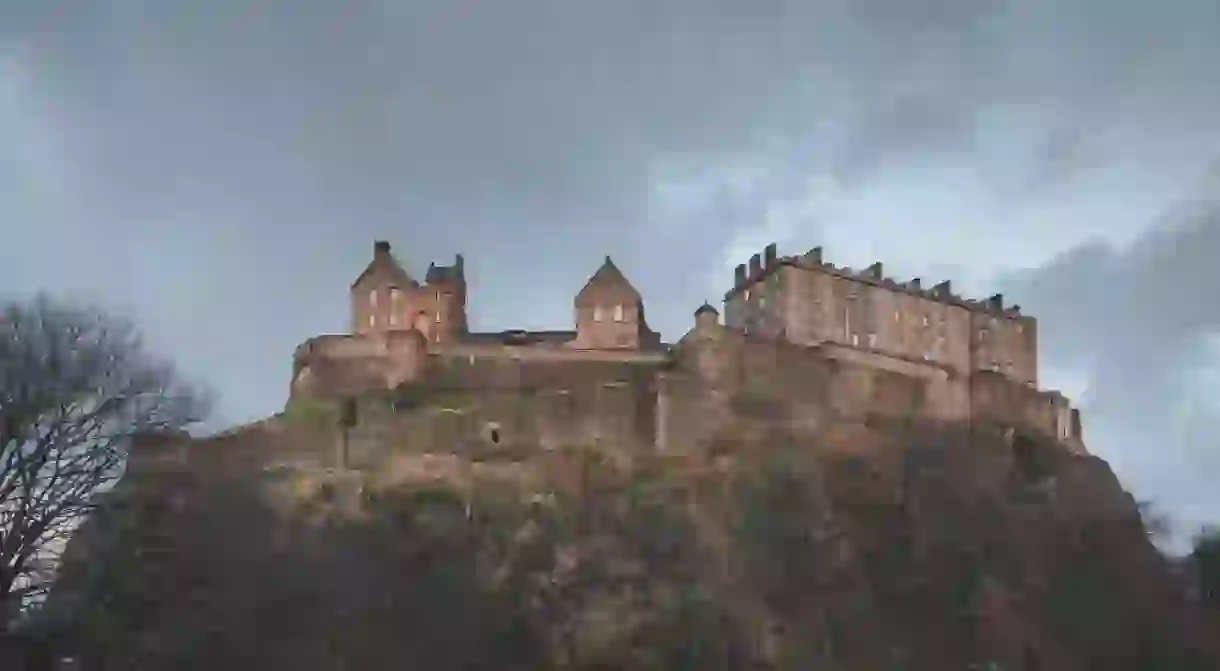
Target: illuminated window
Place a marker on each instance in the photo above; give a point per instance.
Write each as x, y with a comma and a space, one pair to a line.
925, 320
872, 340
618, 313
393, 318
372, 320
438, 317
597, 314
395, 296
373, 297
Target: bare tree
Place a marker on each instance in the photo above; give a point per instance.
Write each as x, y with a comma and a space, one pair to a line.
76, 385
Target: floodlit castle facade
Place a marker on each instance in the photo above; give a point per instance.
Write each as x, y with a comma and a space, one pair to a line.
804, 346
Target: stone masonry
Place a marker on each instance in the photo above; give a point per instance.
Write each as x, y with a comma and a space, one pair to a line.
805, 345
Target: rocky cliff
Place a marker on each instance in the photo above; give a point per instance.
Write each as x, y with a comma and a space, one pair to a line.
875, 549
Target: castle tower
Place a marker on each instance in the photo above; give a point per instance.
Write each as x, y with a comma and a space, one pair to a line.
609, 312
706, 317
446, 286
383, 297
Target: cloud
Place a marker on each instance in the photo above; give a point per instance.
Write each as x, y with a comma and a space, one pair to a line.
1141, 322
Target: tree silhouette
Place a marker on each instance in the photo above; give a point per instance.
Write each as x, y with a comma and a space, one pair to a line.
76, 385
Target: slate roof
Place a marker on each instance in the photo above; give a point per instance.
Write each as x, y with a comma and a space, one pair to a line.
608, 275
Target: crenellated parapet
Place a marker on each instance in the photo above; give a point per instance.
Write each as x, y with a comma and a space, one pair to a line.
761, 265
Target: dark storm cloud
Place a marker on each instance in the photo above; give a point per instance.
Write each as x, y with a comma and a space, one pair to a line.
1140, 321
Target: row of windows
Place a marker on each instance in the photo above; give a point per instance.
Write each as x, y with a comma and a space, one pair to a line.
394, 319
395, 297
619, 314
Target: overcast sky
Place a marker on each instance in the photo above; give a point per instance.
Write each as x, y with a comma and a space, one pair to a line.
220, 170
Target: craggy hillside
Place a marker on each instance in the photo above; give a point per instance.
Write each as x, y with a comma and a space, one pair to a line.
911, 552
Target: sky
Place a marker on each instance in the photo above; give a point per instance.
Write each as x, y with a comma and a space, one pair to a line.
219, 171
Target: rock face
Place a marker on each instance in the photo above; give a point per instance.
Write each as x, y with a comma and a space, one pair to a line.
878, 548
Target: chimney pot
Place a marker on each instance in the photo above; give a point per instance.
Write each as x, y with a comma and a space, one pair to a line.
381, 247
814, 255
755, 267
739, 276
944, 289
996, 302
769, 256
874, 271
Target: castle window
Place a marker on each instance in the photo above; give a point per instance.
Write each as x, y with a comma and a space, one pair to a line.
393, 318
373, 298
747, 294
872, 340
618, 313
372, 320
897, 316
438, 317
395, 296
925, 320
597, 314
982, 334
855, 339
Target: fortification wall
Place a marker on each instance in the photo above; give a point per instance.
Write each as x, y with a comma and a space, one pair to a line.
475, 403
995, 398
726, 382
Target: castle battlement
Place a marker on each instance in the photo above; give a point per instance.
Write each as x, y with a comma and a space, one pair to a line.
763, 264
814, 343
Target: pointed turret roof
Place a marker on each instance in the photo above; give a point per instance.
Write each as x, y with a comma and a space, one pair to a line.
608, 278
385, 262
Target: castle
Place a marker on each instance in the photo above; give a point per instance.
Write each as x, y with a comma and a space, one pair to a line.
804, 346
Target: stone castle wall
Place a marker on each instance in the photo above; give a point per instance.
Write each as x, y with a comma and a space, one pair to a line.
713, 382
807, 301
805, 346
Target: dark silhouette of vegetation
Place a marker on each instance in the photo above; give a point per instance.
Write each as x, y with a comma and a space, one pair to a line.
1206, 559
76, 387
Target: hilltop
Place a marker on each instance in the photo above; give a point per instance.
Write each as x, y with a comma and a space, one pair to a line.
849, 472
911, 549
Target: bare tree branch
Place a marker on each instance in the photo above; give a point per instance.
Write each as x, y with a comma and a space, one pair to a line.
76, 385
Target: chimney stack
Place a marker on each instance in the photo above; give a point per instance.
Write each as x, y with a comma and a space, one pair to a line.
739, 276
381, 248
914, 284
874, 271
996, 302
814, 255
769, 256
944, 289
755, 267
